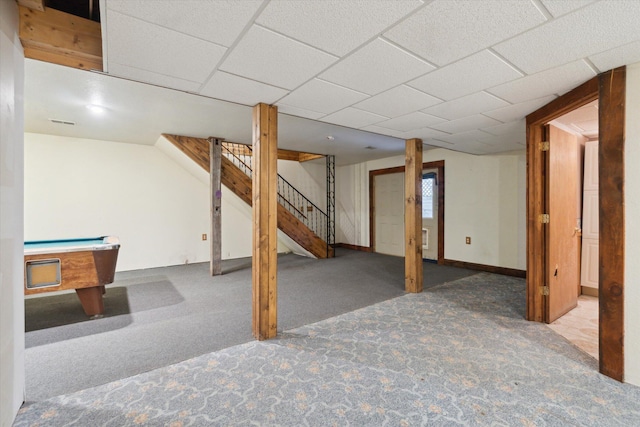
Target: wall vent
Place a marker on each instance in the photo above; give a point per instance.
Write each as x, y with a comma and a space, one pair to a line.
62, 122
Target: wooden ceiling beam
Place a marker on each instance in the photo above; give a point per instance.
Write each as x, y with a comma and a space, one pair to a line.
60, 38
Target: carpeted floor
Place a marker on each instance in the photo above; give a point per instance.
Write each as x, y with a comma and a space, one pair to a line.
460, 353
161, 316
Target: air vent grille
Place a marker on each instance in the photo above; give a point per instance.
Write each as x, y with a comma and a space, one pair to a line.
62, 122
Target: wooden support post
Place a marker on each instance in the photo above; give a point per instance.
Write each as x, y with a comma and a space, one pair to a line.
215, 165
413, 216
265, 207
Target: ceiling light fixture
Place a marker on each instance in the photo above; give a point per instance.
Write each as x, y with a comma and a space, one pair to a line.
330, 137
96, 108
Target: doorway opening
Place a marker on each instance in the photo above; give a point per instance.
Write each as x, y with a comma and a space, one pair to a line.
384, 217
609, 89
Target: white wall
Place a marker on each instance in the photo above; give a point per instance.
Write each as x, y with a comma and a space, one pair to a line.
632, 228
307, 177
11, 222
484, 199
159, 210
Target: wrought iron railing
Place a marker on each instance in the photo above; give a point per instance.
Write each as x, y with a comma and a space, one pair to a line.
288, 196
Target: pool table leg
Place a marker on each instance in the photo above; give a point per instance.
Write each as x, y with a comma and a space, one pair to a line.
91, 300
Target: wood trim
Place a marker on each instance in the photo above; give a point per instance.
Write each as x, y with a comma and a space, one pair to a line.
488, 268
413, 272
32, 4
439, 165
612, 88
61, 38
265, 212
215, 198
353, 247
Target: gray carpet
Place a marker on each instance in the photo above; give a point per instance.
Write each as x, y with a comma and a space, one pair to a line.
459, 354
161, 316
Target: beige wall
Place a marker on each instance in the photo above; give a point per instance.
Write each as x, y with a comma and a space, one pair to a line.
158, 208
632, 228
11, 214
484, 199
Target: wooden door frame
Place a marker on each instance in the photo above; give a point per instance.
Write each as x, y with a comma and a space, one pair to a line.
609, 88
439, 166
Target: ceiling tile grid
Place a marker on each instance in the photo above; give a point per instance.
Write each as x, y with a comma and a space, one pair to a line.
335, 26
376, 67
274, 59
403, 68
445, 31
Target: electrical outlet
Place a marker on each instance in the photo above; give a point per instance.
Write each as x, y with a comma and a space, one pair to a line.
467, 240
204, 236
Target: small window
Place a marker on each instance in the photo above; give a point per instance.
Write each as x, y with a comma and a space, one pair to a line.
428, 189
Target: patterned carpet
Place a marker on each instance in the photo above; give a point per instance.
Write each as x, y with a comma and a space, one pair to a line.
458, 354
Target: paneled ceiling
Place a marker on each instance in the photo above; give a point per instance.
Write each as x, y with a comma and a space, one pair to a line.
460, 74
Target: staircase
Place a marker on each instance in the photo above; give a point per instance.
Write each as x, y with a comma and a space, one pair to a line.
298, 217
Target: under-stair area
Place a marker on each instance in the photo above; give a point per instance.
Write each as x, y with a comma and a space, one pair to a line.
298, 217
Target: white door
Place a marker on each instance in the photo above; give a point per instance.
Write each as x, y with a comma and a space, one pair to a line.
389, 214
590, 231
430, 214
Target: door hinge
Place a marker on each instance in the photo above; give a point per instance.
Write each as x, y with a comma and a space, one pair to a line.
544, 218
544, 290
544, 146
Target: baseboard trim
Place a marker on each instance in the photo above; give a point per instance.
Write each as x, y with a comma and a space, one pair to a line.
489, 268
592, 292
353, 247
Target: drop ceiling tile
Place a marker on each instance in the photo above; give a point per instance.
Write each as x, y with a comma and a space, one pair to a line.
553, 81
466, 106
274, 59
507, 138
423, 133
353, 118
240, 90
398, 101
519, 111
219, 21
596, 28
383, 131
614, 58
473, 74
321, 96
562, 7
335, 26
149, 47
299, 112
375, 68
511, 127
145, 76
445, 31
411, 121
464, 137
466, 124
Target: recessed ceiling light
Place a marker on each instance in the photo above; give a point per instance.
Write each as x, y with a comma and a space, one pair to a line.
96, 108
330, 137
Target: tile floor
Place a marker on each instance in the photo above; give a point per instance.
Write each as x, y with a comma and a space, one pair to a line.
580, 325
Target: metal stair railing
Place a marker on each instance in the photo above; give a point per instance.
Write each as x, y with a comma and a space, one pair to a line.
288, 196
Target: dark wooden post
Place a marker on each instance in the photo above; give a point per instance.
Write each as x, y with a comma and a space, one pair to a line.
413, 216
215, 164
265, 205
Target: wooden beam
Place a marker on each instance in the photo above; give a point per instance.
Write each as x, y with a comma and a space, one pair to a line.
265, 208
32, 4
413, 216
61, 38
611, 131
215, 157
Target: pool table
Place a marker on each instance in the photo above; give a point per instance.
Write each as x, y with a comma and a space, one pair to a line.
85, 265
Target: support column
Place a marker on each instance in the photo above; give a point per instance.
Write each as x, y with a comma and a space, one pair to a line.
413, 216
215, 165
265, 205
